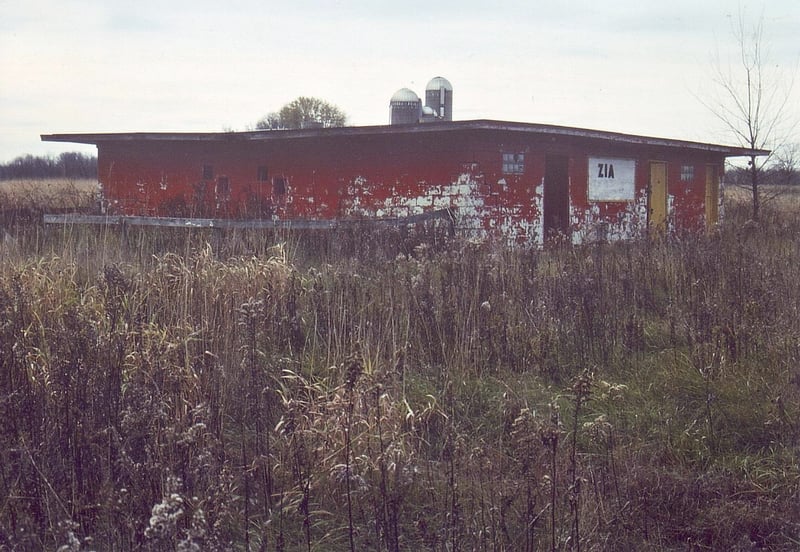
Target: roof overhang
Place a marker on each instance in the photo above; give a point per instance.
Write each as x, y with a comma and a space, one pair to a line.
420, 128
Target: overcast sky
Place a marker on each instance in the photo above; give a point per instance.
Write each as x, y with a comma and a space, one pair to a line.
634, 66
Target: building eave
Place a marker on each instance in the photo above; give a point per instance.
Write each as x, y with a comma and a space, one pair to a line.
433, 127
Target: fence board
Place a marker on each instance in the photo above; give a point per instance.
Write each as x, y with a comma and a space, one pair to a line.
294, 224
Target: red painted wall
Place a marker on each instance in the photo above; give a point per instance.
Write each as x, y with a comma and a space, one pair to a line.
387, 175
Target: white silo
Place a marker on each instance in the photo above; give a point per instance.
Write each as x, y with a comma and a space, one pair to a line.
406, 107
439, 97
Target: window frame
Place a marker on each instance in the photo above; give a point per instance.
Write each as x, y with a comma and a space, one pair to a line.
513, 163
688, 173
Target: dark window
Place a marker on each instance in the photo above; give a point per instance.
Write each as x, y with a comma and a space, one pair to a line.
223, 186
263, 173
208, 172
279, 186
513, 163
687, 173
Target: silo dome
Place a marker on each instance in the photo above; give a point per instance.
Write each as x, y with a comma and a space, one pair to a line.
437, 83
405, 95
439, 97
406, 107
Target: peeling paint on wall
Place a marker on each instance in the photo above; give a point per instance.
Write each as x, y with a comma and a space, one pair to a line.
463, 195
591, 225
466, 196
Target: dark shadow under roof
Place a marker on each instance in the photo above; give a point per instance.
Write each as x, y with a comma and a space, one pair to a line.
433, 127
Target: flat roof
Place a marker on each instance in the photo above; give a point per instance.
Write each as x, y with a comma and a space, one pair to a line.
431, 127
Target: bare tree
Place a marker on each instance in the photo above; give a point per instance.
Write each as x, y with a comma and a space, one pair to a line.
753, 96
271, 121
787, 164
304, 112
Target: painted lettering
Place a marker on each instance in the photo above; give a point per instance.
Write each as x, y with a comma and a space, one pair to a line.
605, 170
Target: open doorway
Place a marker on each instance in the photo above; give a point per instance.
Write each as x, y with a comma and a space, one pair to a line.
556, 196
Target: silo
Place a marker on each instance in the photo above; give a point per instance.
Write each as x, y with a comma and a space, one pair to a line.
439, 96
406, 107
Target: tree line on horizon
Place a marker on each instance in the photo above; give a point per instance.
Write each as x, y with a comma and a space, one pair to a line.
778, 174
64, 165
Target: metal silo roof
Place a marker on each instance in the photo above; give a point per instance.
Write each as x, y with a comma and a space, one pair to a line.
437, 83
405, 95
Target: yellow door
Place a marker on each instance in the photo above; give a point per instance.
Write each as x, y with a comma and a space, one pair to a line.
657, 198
712, 196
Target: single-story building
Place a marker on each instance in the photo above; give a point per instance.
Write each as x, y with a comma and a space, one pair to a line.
518, 181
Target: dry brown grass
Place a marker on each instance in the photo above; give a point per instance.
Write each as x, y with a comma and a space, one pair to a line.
638, 396
776, 198
48, 194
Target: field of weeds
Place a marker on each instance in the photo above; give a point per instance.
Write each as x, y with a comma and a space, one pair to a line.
164, 391
22, 202
56, 193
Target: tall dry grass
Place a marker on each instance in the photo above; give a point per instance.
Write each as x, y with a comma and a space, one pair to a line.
49, 193
381, 392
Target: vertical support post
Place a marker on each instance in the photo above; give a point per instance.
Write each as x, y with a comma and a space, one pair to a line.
123, 232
